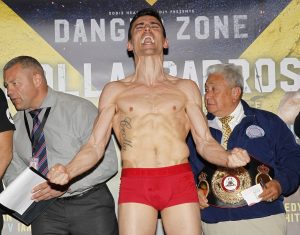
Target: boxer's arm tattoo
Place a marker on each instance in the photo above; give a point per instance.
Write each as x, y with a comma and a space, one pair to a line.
125, 124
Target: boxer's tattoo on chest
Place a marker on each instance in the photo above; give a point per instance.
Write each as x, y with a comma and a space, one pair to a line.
125, 125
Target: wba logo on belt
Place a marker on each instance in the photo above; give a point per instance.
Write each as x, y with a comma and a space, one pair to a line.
223, 186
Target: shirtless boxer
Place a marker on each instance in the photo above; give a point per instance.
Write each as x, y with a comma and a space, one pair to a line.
151, 114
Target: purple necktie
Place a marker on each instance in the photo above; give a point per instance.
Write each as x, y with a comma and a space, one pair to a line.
39, 151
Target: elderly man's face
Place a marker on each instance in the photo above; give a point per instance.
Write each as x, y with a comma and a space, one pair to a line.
220, 98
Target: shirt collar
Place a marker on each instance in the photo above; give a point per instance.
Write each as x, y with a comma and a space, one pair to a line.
49, 100
238, 114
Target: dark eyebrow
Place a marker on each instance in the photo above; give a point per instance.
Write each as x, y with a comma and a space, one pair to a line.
141, 23
151, 23
155, 22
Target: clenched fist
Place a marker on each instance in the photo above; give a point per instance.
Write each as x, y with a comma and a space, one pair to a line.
238, 157
58, 174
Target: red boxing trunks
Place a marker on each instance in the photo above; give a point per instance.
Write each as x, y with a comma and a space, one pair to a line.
158, 187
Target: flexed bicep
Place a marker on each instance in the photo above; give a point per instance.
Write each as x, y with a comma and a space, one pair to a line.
92, 152
206, 145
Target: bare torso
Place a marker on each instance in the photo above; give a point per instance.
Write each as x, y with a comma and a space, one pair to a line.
151, 124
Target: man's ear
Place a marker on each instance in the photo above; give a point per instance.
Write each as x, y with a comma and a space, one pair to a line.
166, 43
129, 46
37, 79
236, 93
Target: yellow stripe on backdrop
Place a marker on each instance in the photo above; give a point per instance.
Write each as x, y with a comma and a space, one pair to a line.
151, 2
279, 40
18, 38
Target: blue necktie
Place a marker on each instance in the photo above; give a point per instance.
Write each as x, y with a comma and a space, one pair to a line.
39, 144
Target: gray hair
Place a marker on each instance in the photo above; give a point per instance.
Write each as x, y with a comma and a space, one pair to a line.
231, 72
26, 62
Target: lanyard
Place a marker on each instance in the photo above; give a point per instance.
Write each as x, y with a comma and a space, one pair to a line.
39, 131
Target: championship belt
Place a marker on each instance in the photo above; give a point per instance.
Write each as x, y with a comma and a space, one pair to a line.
223, 186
